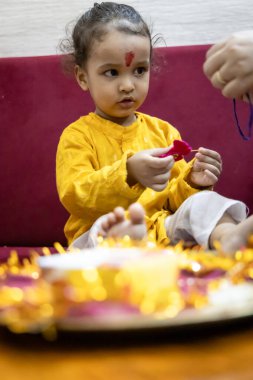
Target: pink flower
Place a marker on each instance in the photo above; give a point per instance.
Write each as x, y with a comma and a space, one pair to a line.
179, 149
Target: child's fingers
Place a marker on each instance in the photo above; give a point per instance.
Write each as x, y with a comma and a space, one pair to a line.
209, 157
209, 163
165, 163
203, 166
162, 178
209, 153
156, 152
158, 187
212, 177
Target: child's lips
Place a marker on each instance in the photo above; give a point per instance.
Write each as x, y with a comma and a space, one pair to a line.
127, 102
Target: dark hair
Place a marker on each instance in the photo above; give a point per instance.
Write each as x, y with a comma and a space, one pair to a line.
92, 25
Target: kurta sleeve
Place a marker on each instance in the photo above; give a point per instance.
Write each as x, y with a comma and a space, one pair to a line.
83, 186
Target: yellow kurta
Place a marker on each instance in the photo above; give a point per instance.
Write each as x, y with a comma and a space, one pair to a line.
91, 172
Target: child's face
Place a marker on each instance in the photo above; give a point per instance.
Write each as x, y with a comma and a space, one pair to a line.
117, 75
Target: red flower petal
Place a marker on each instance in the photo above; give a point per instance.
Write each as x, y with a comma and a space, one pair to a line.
179, 149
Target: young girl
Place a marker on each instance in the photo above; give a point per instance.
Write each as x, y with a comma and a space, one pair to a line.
110, 157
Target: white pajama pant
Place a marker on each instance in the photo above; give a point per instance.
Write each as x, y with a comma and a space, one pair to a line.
193, 222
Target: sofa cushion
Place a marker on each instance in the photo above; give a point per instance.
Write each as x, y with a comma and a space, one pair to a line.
37, 101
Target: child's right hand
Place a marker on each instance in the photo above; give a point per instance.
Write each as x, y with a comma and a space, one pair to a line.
147, 168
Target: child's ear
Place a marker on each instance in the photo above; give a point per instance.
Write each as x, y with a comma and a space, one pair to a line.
81, 77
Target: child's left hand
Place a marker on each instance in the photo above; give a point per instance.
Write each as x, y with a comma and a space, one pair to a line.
206, 168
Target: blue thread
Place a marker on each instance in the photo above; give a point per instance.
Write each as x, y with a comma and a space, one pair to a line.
250, 122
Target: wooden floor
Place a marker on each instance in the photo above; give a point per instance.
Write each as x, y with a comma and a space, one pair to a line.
35, 27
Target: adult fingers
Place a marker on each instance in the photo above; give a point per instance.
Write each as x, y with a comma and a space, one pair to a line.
238, 87
214, 48
214, 62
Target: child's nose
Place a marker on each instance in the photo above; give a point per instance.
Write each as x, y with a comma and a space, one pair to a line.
126, 85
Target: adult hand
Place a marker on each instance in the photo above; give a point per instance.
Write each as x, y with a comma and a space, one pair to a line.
229, 65
206, 168
147, 168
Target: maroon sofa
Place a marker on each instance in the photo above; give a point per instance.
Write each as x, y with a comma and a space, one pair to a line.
37, 101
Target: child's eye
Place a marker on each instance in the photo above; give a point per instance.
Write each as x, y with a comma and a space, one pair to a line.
139, 71
111, 73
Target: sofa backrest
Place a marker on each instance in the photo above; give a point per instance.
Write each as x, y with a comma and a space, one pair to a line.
37, 101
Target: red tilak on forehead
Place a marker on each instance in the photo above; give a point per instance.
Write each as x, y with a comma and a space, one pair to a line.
129, 56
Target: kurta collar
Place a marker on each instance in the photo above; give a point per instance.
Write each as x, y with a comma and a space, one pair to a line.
115, 130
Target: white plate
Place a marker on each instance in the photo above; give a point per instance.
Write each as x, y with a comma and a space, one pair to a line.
228, 303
